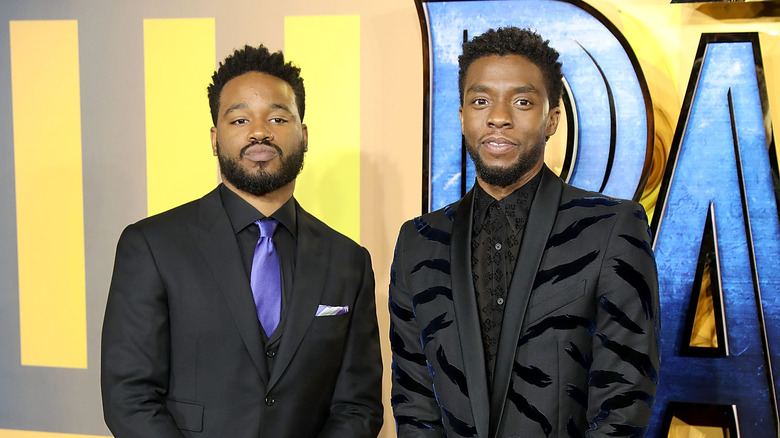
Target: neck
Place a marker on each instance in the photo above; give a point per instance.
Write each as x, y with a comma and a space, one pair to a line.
266, 204
498, 193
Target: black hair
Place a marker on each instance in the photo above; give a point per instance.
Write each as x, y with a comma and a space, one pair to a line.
515, 41
255, 59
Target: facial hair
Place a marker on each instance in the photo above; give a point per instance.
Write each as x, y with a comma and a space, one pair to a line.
258, 181
505, 176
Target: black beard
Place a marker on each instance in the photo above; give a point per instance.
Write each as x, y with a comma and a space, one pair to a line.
505, 176
259, 181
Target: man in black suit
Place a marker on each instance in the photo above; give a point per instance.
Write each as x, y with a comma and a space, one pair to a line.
529, 308
187, 350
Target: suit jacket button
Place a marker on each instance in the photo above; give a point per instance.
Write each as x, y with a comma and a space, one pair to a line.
269, 401
270, 353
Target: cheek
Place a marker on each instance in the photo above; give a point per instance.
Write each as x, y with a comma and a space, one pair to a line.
471, 128
231, 138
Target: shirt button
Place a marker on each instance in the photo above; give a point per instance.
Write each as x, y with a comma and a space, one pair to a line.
500, 301
498, 247
270, 353
269, 401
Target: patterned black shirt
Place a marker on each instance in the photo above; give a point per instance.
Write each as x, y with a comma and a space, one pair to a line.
496, 234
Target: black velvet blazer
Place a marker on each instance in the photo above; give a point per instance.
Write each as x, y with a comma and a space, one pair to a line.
578, 350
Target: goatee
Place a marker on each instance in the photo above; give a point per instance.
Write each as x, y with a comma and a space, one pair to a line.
257, 180
505, 176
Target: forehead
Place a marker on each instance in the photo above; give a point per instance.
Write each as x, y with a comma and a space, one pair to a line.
512, 70
257, 86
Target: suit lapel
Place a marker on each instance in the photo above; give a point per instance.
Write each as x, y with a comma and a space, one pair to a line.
214, 237
311, 266
467, 316
540, 222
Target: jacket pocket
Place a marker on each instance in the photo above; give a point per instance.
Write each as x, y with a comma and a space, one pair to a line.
187, 415
544, 302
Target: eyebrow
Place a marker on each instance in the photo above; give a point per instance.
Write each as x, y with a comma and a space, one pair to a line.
281, 107
519, 89
235, 107
243, 105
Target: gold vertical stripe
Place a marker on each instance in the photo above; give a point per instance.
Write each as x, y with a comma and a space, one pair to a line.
327, 48
49, 195
178, 64
7, 433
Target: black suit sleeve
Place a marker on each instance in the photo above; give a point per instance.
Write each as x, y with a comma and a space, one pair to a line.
414, 406
135, 346
624, 372
356, 409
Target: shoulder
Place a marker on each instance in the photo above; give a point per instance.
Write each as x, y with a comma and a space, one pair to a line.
596, 214
175, 215
442, 218
174, 221
435, 226
307, 222
574, 199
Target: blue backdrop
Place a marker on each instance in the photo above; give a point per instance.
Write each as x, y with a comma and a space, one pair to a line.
598, 65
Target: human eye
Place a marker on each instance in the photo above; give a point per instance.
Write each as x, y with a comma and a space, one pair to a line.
522, 102
278, 120
239, 122
479, 101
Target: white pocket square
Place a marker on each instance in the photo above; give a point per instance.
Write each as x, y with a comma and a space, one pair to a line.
324, 310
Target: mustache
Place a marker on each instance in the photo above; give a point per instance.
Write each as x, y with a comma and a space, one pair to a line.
263, 142
498, 134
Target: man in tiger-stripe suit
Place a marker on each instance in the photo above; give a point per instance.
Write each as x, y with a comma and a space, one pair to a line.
529, 308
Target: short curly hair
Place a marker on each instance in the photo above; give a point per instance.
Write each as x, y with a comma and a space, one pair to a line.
255, 59
515, 41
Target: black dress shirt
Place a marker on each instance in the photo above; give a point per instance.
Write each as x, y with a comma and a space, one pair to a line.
496, 235
242, 216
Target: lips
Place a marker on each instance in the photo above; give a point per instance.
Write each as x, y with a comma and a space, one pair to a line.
497, 144
259, 152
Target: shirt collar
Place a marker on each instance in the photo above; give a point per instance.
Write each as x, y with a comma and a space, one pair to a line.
242, 214
483, 201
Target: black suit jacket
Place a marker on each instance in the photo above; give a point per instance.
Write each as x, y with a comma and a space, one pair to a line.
578, 348
182, 353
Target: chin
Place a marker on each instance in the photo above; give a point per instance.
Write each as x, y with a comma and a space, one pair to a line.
500, 167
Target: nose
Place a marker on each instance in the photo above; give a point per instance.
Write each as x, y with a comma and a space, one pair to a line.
500, 116
259, 131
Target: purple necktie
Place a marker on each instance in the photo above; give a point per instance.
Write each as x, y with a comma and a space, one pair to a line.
266, 279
